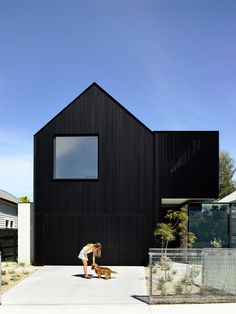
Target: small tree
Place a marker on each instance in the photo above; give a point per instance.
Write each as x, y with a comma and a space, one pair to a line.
24, 199
166, 233
179, 221
216, 242
178, 225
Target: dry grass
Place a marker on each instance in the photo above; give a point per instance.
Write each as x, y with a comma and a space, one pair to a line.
13, 273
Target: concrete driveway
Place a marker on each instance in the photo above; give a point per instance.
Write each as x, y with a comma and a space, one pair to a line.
59, 286
62, 290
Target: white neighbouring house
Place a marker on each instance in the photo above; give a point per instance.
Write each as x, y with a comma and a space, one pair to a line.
230, 198
8, 210
15, 214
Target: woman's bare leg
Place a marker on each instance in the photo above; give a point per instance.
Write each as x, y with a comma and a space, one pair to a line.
85, 264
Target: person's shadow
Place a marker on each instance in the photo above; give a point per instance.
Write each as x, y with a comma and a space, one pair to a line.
92, 276
82, 276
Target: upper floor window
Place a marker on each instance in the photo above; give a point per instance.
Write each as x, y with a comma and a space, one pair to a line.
76, 157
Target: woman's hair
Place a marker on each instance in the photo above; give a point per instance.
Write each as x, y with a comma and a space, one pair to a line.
98, 249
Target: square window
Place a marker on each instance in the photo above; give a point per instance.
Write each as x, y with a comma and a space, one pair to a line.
76, 157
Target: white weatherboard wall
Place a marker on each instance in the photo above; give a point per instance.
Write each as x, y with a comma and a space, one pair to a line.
25, 232
8, 212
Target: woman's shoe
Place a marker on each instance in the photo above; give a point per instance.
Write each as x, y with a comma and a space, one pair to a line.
88, 277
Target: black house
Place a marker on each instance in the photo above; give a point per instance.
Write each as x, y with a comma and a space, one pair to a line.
100, 175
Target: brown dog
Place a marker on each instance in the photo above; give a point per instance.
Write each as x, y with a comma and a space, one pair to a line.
103, 271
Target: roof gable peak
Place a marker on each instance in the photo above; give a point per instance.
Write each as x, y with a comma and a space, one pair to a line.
94, 84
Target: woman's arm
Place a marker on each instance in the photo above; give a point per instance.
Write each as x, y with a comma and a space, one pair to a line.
93, 257
86, 251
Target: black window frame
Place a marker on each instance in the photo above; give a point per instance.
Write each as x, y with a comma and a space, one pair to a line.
53, 157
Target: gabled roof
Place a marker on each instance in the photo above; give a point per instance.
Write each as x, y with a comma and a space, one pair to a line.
5, 196
108, 95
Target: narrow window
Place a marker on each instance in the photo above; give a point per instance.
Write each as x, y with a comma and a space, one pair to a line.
6, 223
76, 157
11, 224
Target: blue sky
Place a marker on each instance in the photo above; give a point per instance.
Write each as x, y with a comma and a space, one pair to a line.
170, 62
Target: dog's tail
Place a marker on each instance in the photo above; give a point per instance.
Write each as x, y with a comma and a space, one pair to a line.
114, 272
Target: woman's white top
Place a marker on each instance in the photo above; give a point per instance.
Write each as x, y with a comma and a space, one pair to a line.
81, 253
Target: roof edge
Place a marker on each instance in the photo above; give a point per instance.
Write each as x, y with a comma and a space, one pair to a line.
8, 197
83, 92
108, 95
122, 107
192, 131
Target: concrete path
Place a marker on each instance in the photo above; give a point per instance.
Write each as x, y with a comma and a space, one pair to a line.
119, 309
63, 285
62, 290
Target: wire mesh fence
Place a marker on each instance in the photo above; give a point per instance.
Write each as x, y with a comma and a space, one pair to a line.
192, 275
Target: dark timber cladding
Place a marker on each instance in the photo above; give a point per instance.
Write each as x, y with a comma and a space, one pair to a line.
117, 209
113, 193
188, 163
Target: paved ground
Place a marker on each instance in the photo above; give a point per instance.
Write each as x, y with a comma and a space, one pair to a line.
62, 290
65, 285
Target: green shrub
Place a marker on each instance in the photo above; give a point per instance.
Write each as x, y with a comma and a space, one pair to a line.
4, 282
178, 288
174, 272
161, 283
190, 275
14, 278
3, 272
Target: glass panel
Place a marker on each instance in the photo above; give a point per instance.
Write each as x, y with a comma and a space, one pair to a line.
209, 222
233, 241
233, 219
76, 157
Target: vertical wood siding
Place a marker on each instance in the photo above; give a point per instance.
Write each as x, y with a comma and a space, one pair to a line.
187, 163
117, 209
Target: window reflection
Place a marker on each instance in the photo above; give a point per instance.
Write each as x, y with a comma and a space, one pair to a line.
76, 157
209, 221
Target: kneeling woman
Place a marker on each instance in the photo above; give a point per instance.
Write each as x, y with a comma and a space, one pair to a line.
94, 248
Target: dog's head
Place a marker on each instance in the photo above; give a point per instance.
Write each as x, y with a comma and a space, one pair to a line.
94, 266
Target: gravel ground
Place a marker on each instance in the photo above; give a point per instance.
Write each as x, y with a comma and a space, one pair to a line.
13, 273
